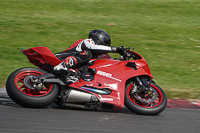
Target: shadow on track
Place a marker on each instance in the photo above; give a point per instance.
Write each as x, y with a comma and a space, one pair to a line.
6, 101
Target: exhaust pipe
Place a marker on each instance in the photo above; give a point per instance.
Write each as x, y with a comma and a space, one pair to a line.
75, 96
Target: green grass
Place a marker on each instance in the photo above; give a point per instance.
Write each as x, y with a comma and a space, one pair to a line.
165, 32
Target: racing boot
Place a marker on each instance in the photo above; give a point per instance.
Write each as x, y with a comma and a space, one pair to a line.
65, 68
61, 68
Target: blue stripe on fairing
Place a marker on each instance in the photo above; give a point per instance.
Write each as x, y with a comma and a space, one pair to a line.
95, 90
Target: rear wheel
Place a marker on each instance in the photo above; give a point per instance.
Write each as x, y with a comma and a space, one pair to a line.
150, 103
27, 96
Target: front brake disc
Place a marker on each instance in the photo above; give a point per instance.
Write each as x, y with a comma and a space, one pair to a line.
148, 98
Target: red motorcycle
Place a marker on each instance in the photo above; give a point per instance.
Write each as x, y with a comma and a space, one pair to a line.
103, 83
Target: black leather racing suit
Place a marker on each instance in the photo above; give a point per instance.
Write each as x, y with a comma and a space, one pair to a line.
82, 51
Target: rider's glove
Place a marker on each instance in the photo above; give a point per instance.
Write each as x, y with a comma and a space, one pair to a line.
120, 50
117, 49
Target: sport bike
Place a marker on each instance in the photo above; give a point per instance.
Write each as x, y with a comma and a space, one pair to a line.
103, 83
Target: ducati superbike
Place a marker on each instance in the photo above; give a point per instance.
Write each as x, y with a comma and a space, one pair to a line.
103, 83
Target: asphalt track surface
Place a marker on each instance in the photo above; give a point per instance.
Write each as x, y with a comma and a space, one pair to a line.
16, 119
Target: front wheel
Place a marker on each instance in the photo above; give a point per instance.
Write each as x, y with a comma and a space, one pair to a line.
26, 96
141, 104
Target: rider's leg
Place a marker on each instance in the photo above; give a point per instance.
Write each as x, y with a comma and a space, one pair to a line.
77, 59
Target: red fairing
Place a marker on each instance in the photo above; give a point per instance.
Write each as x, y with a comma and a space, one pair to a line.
40, 56
113, 74
106, 77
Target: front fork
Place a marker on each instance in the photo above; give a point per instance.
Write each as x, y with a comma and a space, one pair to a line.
143, 84
143, 91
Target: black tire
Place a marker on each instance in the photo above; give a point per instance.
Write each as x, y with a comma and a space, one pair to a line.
140, 108
26, 97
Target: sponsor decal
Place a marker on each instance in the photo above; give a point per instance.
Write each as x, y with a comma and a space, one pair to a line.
108, 75
107, 99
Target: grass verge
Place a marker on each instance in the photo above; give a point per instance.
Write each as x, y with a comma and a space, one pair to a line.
166, 33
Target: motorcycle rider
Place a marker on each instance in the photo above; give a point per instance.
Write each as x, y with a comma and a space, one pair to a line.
83, 50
